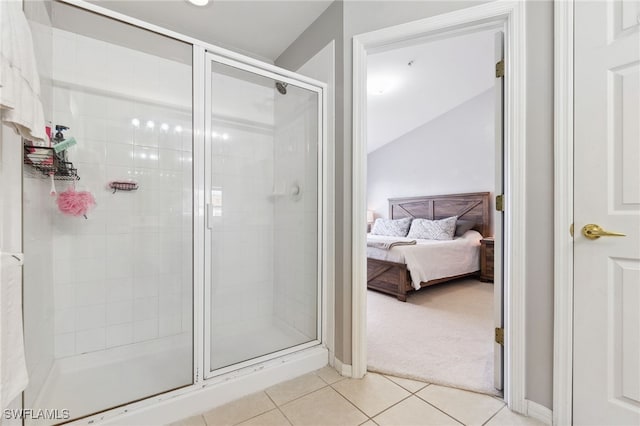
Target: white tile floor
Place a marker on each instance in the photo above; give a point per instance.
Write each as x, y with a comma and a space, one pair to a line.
324, 398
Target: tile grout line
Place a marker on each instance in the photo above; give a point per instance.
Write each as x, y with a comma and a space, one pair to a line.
441, 410
277, 406
329, 384
391, 406
494, 414
259, 414
301, 396
354, 405
369, 418
397, 384
284, 415
450, 415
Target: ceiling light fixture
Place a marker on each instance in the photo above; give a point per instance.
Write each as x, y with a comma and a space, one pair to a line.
379, 85
199, 2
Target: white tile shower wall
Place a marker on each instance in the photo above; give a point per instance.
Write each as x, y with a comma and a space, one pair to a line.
296, 240
124, 274
242, 238
37, 217
242, 188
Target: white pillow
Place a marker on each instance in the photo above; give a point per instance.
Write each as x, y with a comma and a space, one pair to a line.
391, 227
425, 229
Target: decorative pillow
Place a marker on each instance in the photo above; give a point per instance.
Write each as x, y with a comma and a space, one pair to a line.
463, 226
391, 227
426, 229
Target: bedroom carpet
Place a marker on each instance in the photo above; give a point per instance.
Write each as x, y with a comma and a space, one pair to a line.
443, 334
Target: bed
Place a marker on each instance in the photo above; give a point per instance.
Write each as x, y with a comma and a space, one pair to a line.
388, 272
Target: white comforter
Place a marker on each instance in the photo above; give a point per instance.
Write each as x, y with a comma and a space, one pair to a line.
430, 259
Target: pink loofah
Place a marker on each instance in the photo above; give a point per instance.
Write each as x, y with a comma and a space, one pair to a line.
75, 203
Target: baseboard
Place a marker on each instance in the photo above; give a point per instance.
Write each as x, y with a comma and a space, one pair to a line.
344, 370
539, 412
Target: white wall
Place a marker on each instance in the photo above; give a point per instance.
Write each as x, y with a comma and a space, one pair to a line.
322, 68
328, 28
342, 21
453, 153
124, 274
539, 202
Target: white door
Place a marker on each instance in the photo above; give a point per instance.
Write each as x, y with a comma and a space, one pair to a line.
606, 376
498, 287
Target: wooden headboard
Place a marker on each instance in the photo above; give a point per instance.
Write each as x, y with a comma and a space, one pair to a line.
474, 206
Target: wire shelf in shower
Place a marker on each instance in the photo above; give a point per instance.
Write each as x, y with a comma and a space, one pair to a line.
44, 162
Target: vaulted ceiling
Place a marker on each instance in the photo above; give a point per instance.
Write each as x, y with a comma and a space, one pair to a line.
413, 85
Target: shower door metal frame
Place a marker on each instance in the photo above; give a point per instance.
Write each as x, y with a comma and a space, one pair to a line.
320, 90
201, 380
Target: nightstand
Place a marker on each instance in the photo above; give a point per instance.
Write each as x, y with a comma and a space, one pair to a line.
486, 259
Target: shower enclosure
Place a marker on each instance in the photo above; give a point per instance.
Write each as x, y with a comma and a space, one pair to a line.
262, 188
203, 254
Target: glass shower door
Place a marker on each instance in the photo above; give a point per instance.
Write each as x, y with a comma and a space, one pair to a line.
108, 298
262, 291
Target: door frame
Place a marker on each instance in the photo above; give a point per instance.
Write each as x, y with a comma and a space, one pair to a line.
511, 15
563, 213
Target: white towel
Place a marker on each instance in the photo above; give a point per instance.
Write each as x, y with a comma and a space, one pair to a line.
13, 366
20, 104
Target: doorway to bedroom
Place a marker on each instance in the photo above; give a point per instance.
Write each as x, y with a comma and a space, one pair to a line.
434, 167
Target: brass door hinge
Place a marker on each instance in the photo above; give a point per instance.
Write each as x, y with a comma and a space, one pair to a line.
500, 69
500, 202
500, 336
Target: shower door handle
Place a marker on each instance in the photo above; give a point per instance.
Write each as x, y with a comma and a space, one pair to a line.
209, 214
16, 257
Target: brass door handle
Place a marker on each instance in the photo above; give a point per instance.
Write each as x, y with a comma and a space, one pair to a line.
593, 232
